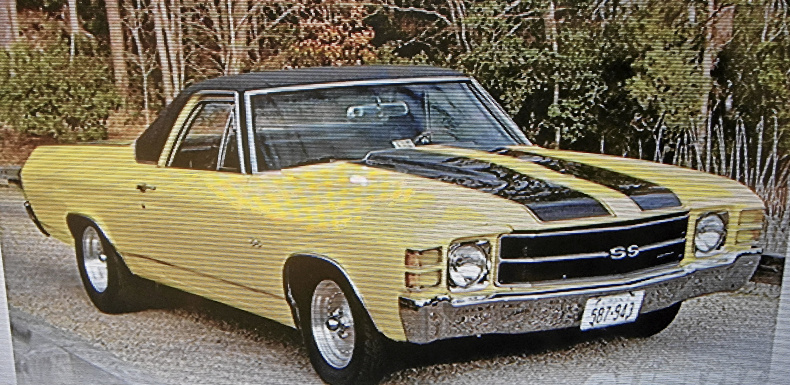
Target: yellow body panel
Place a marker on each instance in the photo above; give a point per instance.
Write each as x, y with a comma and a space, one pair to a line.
228, 235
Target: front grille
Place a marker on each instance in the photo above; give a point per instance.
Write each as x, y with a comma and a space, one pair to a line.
591, 252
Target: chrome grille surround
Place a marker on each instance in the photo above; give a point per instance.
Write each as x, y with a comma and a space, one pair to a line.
579, 254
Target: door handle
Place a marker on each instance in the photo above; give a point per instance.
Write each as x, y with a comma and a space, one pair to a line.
143, 187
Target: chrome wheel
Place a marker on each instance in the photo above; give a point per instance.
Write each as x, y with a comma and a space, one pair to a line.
332, 324
94, 259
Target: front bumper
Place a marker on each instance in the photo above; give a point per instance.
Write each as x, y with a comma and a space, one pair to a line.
440, 318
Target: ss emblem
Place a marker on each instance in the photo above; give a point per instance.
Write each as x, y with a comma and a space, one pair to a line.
621, 252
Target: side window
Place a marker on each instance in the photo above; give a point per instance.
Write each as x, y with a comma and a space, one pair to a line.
208, 141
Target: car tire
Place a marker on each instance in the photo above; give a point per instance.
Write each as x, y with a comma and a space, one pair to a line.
343, 344
650, 324
109, 283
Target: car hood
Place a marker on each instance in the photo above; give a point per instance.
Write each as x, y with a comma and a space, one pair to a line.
469, 192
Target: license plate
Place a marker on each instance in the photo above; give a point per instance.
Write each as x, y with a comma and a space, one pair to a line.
600, 312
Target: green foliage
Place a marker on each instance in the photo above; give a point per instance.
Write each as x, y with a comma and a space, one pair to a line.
43, 93
667, 84
49, 6
629, 75
629, 78
755, 66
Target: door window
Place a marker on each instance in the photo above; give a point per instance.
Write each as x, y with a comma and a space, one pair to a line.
209, 140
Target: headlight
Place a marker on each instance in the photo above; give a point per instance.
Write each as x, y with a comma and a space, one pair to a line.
467, 264
710, 232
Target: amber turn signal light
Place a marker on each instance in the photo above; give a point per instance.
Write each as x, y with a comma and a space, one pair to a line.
423, 258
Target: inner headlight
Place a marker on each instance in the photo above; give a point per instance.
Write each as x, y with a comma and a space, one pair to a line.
467, 264
710, 232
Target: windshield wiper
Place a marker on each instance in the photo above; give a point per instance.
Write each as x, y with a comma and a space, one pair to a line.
316, 160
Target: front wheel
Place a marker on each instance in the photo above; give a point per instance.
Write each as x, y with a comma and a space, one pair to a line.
109, 283
343, 344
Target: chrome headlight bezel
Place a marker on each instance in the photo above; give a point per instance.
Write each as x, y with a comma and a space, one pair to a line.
710, 232
468, 266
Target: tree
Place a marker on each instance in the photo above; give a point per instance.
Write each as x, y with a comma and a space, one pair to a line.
169, 46
718, 32
142, 52
74, 28
222, 36
9, 26
115, 29
328, 34
55, 94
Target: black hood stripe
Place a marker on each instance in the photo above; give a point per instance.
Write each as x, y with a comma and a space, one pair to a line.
647, 195
548, 201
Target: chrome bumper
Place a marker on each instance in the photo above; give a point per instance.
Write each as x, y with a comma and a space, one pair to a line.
440, 318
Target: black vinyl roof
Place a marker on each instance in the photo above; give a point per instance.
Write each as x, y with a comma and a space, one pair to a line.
150, 144
316, 75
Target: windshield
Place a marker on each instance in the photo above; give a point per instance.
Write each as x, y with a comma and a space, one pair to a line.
319, 125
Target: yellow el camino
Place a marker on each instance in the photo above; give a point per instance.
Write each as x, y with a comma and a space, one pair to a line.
362, 204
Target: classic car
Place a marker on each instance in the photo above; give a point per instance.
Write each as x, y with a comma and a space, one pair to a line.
376, 203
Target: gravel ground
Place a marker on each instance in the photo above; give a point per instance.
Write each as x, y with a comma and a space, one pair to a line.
719, 339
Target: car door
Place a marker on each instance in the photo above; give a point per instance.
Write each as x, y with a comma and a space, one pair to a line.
190, 216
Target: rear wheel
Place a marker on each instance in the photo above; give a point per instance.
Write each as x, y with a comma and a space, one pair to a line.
343, 344
109, 283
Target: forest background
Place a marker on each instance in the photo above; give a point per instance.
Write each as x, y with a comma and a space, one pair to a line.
697, 83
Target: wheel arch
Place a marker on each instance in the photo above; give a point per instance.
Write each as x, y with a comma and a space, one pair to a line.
124, 292
78, 221
75, 222
310, 264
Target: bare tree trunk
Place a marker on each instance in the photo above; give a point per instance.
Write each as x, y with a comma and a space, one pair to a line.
74, 28
458, 16
755, 177
732, 158
639, 141
770, 162
234, 64
161, 48
708, 57
774, 156
657, 154
741, 153
115, 27
745, 146
550, 20
169, 47
723, 169
718, 32
9, 26
144, 61
172, 37
175, 26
